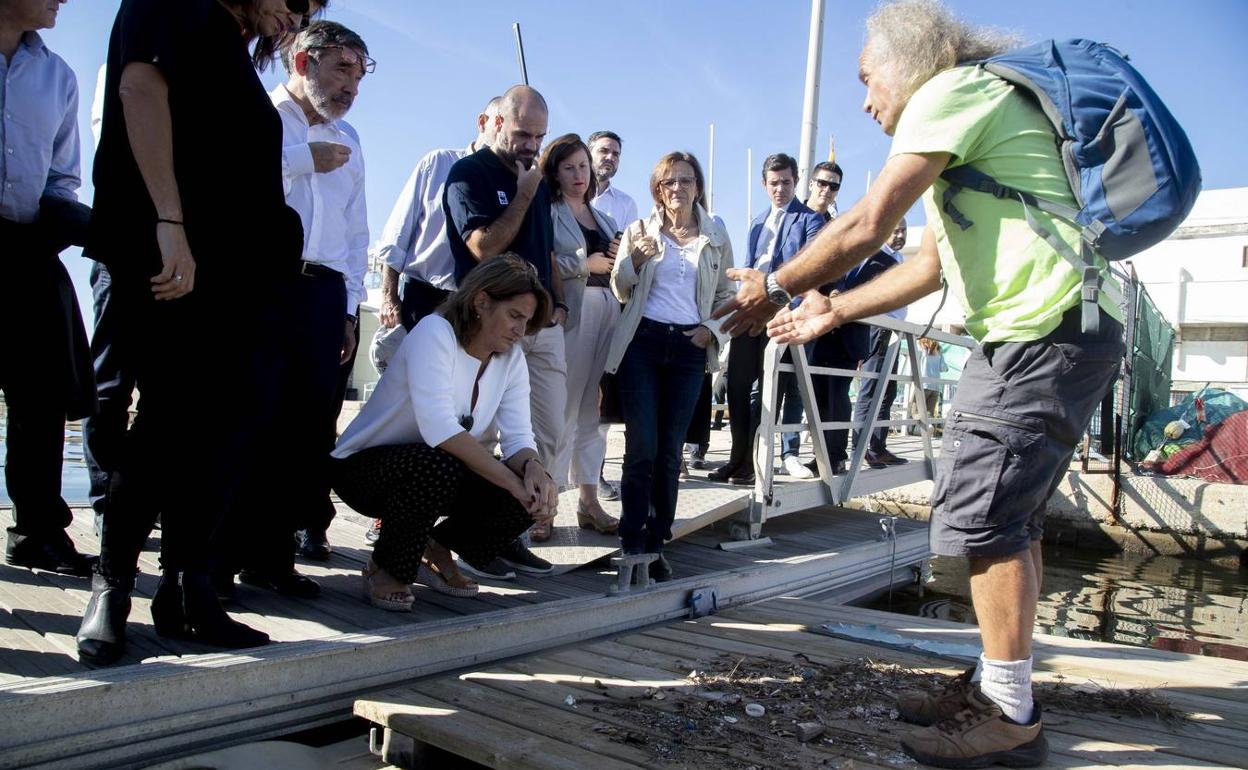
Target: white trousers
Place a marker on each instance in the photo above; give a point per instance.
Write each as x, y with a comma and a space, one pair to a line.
584, 443
548, 391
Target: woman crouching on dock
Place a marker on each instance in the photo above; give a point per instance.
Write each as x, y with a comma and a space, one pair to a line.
415, 453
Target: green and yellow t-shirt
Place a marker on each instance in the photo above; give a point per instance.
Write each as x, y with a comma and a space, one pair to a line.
1012, 285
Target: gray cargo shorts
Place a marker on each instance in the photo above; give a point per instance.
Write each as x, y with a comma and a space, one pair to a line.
1019, 412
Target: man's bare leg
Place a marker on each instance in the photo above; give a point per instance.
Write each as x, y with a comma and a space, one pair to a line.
1004, 590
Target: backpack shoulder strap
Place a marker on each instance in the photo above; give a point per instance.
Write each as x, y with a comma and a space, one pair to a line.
966, 177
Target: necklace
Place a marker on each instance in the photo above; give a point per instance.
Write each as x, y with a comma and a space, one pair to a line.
681, 233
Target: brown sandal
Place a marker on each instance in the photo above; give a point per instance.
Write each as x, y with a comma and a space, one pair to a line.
597, 519
394, 601
431, 575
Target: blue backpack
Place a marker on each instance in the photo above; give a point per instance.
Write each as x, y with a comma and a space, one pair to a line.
1130, 165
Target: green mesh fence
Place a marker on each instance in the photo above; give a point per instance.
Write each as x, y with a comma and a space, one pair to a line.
1152, 351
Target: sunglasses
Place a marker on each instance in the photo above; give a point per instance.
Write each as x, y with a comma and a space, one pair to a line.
304, 9
834, 186
366, 64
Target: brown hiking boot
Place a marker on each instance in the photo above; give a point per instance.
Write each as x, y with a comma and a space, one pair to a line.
925, 708
978, 736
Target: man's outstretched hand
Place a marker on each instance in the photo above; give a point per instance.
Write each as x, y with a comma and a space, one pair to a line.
815, 317
750, 309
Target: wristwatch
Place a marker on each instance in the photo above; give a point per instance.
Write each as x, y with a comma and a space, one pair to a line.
776, 292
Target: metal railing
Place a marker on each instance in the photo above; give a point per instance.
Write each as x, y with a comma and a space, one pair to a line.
770, 499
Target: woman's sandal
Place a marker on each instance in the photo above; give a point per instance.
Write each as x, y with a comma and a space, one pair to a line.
430, 575
394, 601
541, 531
597, 519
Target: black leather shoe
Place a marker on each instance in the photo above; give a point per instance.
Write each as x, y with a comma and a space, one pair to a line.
208, 621
54, 554
722, 473
873, 461
285, 583
743, 479
102, 636
838, 467
168, 614
888, 458
312, 544
660, 570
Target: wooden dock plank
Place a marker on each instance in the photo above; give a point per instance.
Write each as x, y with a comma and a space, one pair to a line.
461, 731
663, 657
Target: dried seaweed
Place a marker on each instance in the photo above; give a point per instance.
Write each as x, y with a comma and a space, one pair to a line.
815, 715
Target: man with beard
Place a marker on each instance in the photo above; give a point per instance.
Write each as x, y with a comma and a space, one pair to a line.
495, 201
323, 175
604, 150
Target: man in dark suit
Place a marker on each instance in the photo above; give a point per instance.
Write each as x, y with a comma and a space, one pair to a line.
843, 348
776, 235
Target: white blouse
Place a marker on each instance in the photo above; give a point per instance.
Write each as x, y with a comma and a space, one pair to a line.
673, 296
425, 396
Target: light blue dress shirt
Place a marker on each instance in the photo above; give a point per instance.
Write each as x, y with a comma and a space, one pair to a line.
38, 130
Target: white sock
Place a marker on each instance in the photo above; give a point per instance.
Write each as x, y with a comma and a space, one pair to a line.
1007, 683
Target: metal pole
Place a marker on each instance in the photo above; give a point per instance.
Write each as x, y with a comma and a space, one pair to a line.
710, 174
524, 71
810, 106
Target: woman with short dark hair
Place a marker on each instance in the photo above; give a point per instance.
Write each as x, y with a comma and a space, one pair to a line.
415, 454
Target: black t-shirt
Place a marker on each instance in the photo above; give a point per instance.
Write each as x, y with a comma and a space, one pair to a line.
595, 242
227, 151
478, 190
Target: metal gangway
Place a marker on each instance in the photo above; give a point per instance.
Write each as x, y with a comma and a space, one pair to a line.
769, 498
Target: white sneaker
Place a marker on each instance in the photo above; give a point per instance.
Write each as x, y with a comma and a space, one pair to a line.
796, 469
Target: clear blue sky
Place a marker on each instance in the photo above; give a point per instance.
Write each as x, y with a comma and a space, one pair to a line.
658, 73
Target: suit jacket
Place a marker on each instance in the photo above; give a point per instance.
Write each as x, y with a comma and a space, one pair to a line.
851, 343
573, 264
798, 226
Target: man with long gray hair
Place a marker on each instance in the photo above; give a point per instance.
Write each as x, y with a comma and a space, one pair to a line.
1026, 394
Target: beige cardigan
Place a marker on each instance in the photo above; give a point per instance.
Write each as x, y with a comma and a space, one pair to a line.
632, 288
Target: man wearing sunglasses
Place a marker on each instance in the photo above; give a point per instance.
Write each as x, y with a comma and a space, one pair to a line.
825, 183
323, 177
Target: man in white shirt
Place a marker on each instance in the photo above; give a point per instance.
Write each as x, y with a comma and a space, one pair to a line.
419, 270
604, 147
604, 150
323, 175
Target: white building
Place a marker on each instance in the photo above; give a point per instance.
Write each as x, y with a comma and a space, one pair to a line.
1199, 280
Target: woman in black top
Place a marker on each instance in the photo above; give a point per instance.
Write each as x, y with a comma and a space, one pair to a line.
585, 247
191, 220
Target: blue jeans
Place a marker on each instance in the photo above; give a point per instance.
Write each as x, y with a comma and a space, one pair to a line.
659, 378
790, 412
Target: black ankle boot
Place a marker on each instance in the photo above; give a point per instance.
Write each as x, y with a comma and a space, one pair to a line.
102, 636
207, 619
168, 616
